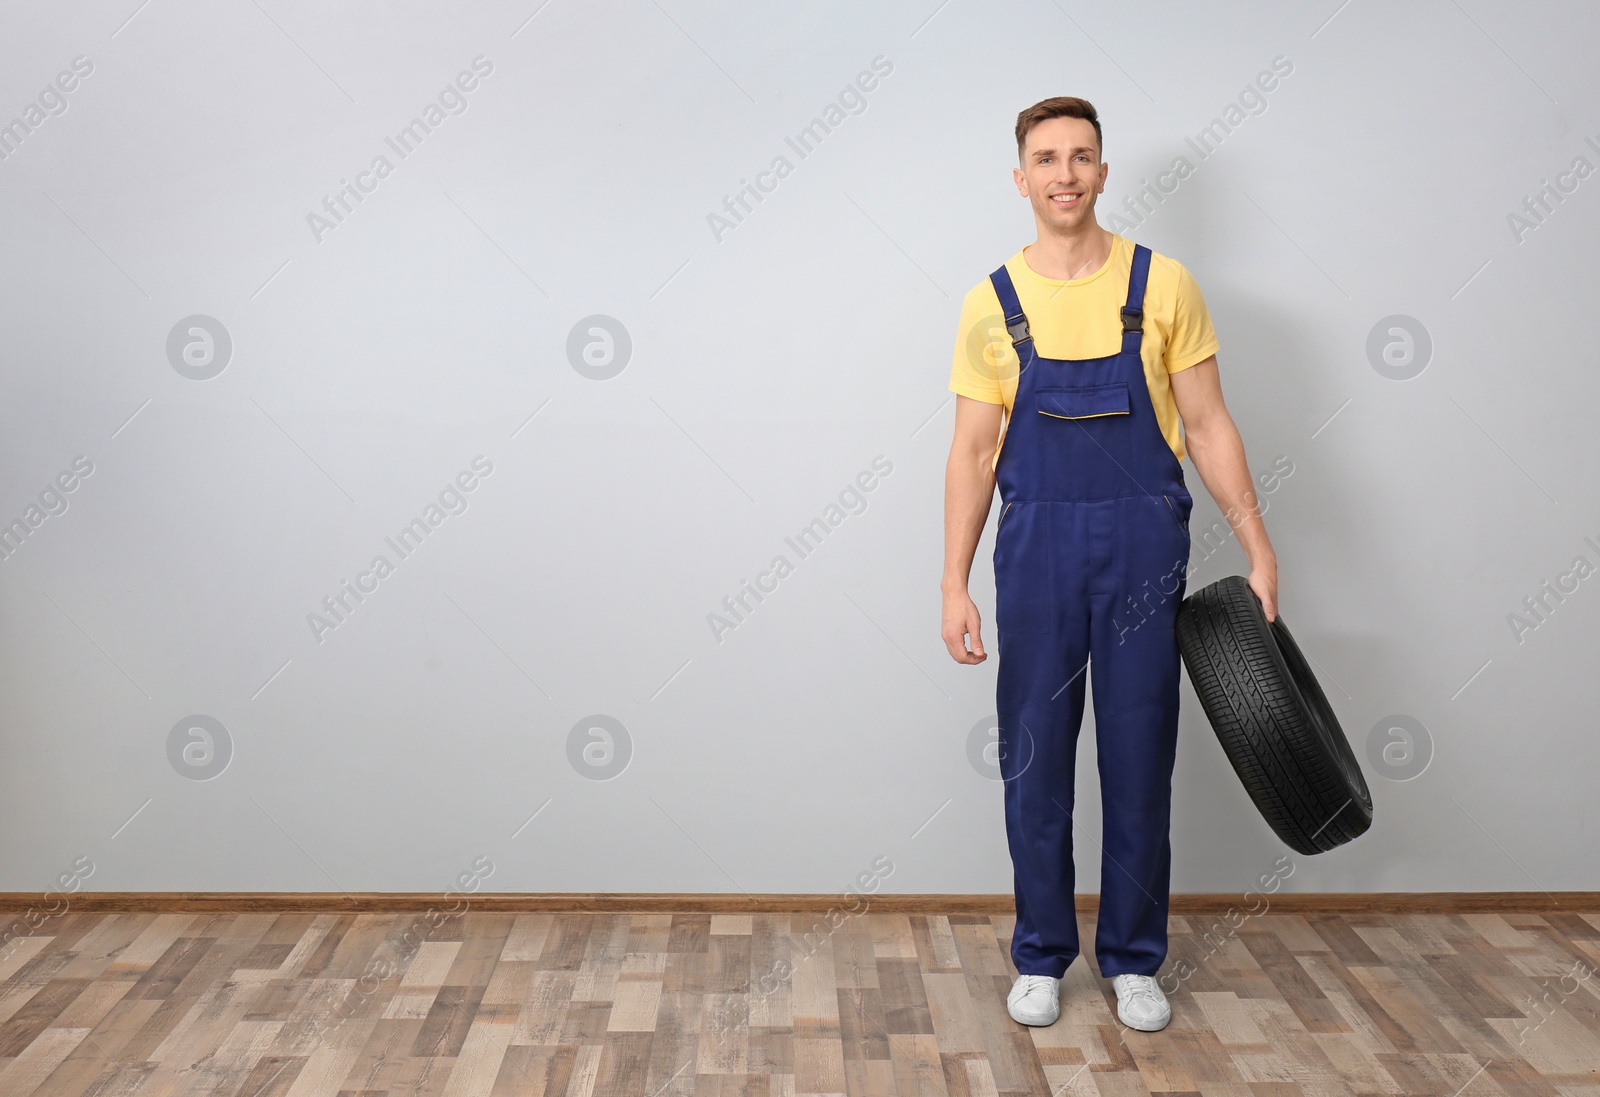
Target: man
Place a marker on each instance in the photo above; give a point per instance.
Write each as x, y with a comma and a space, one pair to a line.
1101, 354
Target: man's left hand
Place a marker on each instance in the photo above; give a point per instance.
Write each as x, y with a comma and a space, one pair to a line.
1264, 581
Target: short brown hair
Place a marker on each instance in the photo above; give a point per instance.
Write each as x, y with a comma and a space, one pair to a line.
1062, 106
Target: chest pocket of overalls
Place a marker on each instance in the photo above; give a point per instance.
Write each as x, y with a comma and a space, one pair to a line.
1087, 438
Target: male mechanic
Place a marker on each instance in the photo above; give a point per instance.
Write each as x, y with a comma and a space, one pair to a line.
1102, 355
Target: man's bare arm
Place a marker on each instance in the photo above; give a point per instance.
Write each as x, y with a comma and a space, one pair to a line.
1213, 442
968, 492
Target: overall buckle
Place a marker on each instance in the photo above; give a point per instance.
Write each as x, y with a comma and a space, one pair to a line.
1018, 330
1132, 319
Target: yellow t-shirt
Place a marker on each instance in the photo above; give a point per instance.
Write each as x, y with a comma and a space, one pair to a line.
1082, 318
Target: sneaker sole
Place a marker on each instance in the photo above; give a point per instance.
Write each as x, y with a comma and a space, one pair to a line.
1036, 1021
1147, 1027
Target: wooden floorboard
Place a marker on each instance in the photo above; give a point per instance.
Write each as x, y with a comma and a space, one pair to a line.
262, 1003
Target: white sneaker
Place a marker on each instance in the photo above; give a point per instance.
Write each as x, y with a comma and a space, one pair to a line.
1035, 999
1140, 1003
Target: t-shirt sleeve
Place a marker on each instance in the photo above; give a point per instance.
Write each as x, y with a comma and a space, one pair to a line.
1192, 340
972, 373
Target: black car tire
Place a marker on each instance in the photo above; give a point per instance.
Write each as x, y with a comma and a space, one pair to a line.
1272, 718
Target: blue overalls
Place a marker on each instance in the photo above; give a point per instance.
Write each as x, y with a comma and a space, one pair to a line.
1091, 562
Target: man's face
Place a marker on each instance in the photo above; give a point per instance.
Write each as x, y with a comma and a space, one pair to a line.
1061, 172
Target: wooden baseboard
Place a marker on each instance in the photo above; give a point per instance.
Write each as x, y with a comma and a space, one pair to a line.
53, 904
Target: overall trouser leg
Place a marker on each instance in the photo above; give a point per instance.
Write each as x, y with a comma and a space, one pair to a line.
1134, 675
1041, 686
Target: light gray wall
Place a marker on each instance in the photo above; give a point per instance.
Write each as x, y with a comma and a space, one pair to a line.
444, 723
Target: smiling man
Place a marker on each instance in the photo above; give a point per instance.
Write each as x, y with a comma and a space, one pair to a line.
1101, 356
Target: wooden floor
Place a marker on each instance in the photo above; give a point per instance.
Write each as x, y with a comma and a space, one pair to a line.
641, 1004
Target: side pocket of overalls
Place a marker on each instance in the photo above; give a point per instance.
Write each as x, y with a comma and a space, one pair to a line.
1177, 514
1021, 577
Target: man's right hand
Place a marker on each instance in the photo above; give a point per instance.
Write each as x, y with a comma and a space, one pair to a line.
969, 482
961, 620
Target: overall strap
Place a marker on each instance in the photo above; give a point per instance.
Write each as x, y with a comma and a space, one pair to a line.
1133, 311
1016, 322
